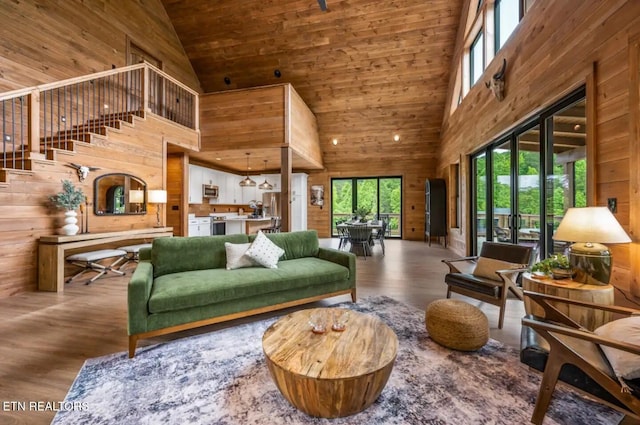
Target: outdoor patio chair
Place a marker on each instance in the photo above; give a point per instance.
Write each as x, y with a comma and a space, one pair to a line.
495, 273
604, 363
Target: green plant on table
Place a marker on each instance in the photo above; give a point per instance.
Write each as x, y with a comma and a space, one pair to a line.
70, 198
363, 212
558, 261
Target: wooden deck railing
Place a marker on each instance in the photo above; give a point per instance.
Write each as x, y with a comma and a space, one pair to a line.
37, 119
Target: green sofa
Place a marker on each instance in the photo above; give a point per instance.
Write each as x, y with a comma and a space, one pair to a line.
182, 283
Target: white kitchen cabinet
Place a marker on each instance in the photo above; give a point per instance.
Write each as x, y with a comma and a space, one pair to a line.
250, 193
298, 202
235, 227
195, 184
200, 226
232, 189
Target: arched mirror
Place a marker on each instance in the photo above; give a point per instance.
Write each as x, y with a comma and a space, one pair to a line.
119, 193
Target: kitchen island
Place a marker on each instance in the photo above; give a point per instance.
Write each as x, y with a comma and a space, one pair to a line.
246, 225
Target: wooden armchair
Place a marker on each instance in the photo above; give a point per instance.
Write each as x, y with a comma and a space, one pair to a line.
562, 349
495, 273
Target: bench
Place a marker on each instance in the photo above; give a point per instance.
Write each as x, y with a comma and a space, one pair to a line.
89, 262
133, 252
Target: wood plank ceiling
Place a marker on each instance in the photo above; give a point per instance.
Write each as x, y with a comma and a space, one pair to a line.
368, 69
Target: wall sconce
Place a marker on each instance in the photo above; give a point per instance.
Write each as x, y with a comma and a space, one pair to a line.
158, 197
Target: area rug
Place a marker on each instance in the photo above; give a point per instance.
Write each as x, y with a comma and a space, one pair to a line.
221, 378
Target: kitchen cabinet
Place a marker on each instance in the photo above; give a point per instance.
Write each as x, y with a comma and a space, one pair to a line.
251, 193
200, 226
235, 227
195, 184
299, 202
232, 187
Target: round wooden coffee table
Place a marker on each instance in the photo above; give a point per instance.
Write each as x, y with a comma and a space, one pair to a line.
332, 374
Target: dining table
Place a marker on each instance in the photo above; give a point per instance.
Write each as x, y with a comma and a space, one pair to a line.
370, 225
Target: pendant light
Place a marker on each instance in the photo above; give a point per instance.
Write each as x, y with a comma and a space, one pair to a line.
265, 185
247, 182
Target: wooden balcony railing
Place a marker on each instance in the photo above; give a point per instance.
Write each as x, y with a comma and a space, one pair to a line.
37, 119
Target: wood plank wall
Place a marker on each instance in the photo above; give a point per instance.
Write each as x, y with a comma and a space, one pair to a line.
303, 137
49, 41
558, 47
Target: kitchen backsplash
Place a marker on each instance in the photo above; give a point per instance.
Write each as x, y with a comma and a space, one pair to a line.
206, 209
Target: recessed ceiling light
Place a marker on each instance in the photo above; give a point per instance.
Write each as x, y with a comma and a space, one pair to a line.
218, 159
334, 141
396, 137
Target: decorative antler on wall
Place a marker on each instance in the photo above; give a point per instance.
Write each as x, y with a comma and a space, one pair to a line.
496, 85
82, 170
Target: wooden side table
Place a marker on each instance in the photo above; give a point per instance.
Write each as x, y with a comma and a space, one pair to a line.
567, 288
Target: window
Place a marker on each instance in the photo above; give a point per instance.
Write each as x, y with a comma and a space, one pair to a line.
507, 17
476, 58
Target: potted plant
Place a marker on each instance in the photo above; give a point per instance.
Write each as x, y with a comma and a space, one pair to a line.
362, 213
556, 266
69, 200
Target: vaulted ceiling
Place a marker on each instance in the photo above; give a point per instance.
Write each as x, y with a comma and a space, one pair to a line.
368, 69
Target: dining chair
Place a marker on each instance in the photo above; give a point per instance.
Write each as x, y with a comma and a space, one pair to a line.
359, 237
379, 236
275, 226
343, 236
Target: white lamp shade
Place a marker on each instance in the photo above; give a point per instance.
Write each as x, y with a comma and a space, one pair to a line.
157, 196
590, 224
136, 196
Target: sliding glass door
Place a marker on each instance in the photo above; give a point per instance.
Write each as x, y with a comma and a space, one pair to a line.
517, 207
381, 197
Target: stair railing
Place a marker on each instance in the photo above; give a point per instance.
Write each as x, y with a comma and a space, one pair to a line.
38, 119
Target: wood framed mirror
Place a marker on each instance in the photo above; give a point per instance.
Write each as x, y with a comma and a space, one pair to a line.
118, 194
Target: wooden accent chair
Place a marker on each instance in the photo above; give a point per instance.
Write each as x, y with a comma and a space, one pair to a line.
564, 350
495, 273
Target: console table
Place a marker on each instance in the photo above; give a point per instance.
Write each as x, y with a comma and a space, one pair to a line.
52, 251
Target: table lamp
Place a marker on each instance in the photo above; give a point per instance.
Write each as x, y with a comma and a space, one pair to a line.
589, 228
136, 196
158, 197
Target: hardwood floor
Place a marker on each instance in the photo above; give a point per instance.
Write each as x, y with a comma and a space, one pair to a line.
47, 337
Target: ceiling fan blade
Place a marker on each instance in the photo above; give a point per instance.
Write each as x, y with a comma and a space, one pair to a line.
323, 5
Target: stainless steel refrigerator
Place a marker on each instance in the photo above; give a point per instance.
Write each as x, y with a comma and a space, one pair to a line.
271, 200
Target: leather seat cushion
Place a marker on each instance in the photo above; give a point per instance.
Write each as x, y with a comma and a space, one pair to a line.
474, 283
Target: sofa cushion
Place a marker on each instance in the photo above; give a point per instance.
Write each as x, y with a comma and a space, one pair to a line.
236, 258
624, 363
179, 254
183, 290
295, 244
264, 252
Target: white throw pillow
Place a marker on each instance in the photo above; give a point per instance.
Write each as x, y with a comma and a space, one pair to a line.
265, 252
624, 364
236, 258
486, 267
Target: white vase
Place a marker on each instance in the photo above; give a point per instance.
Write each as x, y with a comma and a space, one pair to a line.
70, 227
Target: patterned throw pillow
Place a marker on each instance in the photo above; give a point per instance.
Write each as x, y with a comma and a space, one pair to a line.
265, 252
236, 258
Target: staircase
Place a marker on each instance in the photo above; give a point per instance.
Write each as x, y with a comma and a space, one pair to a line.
39, 122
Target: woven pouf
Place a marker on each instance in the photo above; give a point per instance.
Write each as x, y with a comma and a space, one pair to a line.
457, 324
